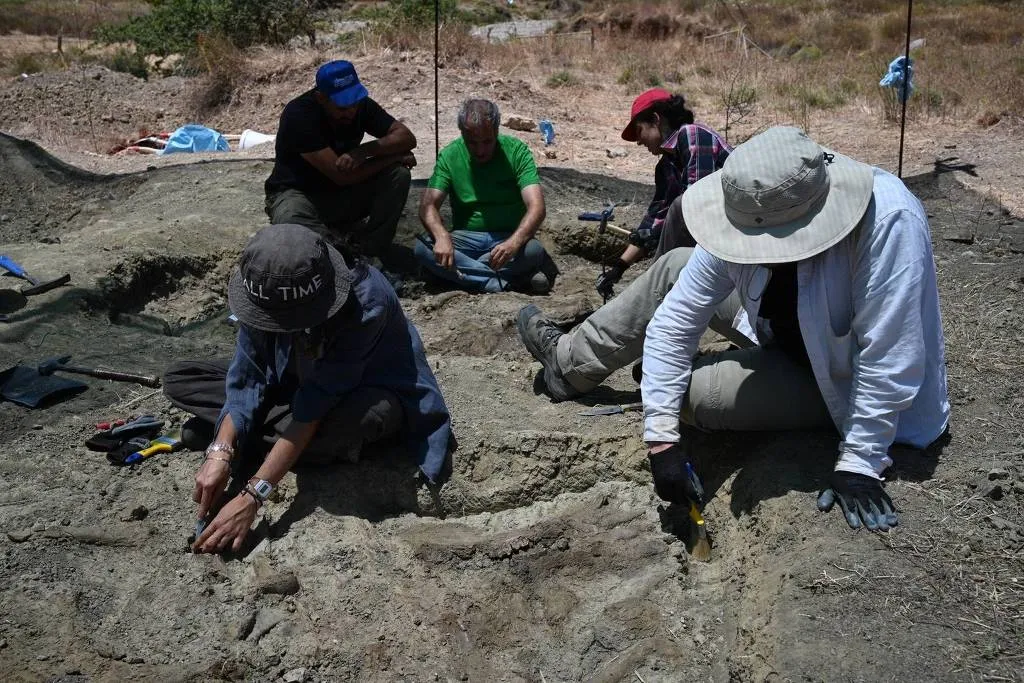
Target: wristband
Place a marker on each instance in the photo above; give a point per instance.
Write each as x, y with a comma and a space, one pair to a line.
248, 489
213, 457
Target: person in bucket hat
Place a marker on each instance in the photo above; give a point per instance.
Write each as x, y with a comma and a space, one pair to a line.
832, 260
326, 178
687, 151
325, 362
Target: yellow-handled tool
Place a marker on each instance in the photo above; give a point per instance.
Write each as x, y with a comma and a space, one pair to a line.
702, 546
161, 444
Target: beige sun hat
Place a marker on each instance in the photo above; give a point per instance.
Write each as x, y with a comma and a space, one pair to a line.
779, 198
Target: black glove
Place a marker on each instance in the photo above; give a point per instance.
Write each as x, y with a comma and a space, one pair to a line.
863, 500
674, 478
607, 280
645, 238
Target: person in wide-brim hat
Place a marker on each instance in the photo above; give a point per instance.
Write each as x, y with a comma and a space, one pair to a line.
833, 264
325, 361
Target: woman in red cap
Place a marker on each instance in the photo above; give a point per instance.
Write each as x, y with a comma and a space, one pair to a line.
688, 151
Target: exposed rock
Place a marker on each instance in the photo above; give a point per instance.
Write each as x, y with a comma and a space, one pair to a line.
517, 122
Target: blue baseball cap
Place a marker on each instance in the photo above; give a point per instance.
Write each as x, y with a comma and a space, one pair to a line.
339, 82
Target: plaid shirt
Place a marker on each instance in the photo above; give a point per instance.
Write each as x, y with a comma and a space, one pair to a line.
694, 151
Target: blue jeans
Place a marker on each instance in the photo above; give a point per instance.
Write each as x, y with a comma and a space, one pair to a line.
472, 261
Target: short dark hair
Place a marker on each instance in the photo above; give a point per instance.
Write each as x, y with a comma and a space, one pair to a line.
673, 111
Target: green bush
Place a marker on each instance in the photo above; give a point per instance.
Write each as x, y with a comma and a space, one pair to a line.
561, 79
174, 25
129, 62
421, 12
807, 53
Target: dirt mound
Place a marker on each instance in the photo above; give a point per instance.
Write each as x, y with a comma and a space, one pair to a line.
40, 195
545, 557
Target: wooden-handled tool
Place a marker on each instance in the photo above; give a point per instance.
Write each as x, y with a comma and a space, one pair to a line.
51, 365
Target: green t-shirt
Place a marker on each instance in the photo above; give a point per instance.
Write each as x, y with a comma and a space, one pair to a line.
486, 197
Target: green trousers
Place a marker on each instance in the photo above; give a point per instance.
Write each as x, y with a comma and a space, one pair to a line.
364, 215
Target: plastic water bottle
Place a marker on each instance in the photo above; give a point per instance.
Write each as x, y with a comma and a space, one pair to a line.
547, 129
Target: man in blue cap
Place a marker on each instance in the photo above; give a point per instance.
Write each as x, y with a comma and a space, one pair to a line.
326, 178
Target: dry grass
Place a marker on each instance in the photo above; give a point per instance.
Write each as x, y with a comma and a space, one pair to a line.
821, 56
824, 54
80, 18
223, 68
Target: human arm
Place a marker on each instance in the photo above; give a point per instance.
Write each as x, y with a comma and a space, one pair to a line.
244, 384
430, 217
232, 523
396, 143
889, 356
643, 240
671, 341
533, 197
327, 162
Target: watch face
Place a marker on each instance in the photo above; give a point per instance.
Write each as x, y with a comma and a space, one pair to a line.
263, 488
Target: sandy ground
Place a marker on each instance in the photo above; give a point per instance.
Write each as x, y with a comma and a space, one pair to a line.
546, 556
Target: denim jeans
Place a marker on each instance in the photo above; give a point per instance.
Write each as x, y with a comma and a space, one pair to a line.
472, 261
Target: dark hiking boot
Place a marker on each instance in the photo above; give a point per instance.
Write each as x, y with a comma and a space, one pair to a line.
540, 336
539, 283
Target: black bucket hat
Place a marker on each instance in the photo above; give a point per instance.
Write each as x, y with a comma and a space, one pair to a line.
288, 279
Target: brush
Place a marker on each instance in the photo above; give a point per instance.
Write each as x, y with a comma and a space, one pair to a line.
162, 444
702, 546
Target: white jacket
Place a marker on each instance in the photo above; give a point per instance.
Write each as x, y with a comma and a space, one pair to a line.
869, 316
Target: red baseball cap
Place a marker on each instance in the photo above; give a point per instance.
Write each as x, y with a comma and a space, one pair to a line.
642, 103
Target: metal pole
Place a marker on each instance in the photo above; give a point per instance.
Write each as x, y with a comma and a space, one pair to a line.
437, 114
905, 92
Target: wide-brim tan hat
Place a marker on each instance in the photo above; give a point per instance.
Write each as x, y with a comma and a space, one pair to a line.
779, 198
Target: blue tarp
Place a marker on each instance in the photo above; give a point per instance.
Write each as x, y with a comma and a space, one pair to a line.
195, 138
898, 71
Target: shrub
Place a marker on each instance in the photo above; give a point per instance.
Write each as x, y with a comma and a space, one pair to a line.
128, 61
224, 66
819, 97
561, 79
808, 53
174, 25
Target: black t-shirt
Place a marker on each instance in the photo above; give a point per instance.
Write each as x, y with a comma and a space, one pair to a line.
305, 127
779, 308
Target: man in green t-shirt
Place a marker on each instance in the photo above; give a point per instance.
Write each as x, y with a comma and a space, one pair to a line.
497, 206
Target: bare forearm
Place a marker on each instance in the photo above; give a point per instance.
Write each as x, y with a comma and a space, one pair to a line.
286, 451
364, 171
430, 216
530, 223
227, 432
395, 143
632, 254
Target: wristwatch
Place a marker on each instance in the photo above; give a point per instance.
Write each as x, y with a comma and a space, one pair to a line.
260, 489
